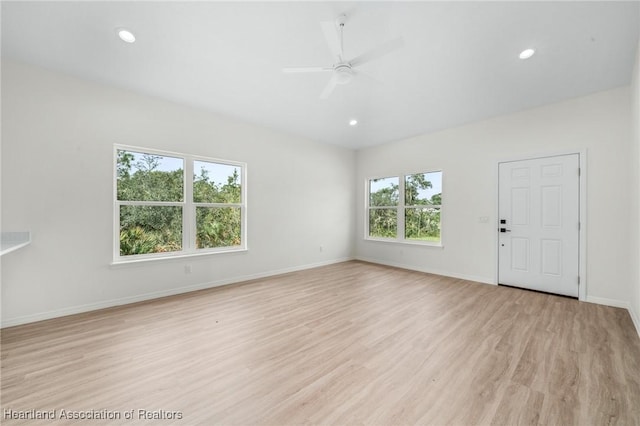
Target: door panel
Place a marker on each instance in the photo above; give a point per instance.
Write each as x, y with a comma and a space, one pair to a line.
551, 257
520, 254
539, 228
520, 206
551, 206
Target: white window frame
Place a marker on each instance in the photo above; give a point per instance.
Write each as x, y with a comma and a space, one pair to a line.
188, 208
400, 210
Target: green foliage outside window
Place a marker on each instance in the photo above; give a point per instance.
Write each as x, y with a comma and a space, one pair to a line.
421, 212
217, 227
384, 196
383, 223
150, 229
158, 228
422, 224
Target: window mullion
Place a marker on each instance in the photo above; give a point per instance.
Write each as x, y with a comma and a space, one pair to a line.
401, 201
217, 204
149, 203
188, 210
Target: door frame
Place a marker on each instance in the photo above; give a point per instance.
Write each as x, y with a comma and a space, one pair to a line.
582, 206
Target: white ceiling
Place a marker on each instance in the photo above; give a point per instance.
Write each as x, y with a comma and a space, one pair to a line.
459, 62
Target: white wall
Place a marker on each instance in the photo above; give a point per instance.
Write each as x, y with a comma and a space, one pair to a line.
634, 224
58, 134
469, 155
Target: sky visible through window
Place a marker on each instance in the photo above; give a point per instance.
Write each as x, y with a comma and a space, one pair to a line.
218, 173
434, 177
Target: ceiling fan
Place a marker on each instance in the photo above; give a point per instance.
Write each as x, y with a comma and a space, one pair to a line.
343, 70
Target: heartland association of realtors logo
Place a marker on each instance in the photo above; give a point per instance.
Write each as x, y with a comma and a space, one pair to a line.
64, 414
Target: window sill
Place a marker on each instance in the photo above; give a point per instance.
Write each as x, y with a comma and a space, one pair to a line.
146, 260
405, 242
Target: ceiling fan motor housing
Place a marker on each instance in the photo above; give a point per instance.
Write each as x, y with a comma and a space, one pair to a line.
344, 74
342, 70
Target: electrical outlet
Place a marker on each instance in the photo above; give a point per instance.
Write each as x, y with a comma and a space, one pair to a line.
187, 269
321, 249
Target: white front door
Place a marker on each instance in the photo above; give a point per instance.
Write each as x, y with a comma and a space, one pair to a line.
539, 224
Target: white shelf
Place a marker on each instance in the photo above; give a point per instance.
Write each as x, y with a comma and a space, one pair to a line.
11, 241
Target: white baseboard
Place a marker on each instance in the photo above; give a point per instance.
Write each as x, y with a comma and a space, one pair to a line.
618, 304
483, 280
608, 302
10, 322
591, 299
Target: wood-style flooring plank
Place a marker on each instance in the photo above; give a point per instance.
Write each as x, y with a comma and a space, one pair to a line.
346, 344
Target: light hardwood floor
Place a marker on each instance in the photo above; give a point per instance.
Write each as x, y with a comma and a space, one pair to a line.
351, 343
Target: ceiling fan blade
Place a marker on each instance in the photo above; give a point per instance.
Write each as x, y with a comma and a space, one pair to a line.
333, 38
306, 69
329, 87
366, 75
378, 52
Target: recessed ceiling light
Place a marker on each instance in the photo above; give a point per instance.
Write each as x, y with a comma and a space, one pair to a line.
353, 122
527, 53
126, 35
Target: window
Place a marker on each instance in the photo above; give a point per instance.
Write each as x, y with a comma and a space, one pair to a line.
160, 213
412, 217
383, 207
217, 195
